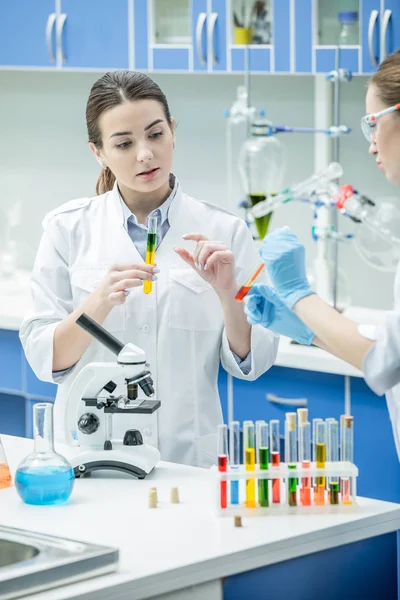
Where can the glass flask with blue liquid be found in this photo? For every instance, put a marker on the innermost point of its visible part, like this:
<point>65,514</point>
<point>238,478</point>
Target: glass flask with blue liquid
<point>44,477</point>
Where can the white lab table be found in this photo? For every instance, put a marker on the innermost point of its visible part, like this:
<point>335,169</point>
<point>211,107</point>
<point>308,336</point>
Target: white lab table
<point>181,551</point>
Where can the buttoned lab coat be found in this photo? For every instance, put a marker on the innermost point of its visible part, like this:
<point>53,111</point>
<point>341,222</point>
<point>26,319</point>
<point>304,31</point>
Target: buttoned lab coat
<point>179,325</point>
<point>382,362</point>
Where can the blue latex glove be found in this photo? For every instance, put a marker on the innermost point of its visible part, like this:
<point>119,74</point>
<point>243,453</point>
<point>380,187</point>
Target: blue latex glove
<point>264,307</point>
<point>284,257</point>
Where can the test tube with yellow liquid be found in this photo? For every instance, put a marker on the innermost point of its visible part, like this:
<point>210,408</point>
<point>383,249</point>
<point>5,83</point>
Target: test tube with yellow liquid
<point>250,462</point>
<point>150,250</point>
<point>320,448</point>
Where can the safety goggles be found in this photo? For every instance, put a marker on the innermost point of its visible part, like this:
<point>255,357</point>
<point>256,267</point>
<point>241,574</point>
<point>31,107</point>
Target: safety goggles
<point>368,123</point>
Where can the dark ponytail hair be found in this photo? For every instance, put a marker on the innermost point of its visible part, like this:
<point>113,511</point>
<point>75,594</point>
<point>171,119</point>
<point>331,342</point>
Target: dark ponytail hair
<point>114,88</point>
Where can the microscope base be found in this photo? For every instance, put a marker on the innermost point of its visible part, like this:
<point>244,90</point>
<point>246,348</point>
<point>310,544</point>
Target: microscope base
<point>138,461</point>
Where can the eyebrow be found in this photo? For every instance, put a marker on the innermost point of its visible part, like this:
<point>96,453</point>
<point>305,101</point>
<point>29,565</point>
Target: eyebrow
<point>130,132</point>
<point>152,124</point>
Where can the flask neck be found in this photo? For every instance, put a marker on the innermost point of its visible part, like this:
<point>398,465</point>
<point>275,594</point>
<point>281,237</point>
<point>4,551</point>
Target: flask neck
<point>43,427</point>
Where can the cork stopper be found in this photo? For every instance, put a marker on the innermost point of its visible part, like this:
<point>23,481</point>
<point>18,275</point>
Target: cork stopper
<point>302,414</point>
<point>291,421</point>
<point>174,495</point>
<point>237,520</point>
<point>154,489</point>
<point>152,503</point>
<point>348,421</point>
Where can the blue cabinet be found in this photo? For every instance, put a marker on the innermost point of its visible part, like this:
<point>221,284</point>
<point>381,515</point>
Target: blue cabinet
<point>19,387</point>
<point>94,34</point>
<point>192,36</point>
<point>27,33</point>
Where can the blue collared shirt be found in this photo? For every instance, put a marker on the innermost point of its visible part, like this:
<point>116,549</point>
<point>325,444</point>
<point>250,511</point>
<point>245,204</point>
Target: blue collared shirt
<point>137,231</point>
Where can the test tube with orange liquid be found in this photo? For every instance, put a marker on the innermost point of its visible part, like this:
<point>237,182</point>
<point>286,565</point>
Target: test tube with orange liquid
<point>245,288</point>
<point>305,454</point>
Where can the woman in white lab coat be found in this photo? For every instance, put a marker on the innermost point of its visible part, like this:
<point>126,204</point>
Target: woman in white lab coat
<point>293,309</point>
<point>91,259</point>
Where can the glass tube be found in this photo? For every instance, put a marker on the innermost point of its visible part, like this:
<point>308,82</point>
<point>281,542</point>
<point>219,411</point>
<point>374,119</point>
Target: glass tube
<point>275,455</point>
<point>320,450</point>
<point>222,449</point>
<point>291,455</point>
<point>263,461</point>
<point>150,250</point>
<point>305,460</point>
<point>347,448</point>
<point>333,457</point>
<point>234,457</point>
<point>250,462</point>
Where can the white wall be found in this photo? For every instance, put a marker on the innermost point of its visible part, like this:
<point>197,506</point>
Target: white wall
<point>44,158</point>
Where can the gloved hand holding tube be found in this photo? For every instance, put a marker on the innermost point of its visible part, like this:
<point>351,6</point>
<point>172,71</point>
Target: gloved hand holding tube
<point>284,257</point>
<point>264,307</point>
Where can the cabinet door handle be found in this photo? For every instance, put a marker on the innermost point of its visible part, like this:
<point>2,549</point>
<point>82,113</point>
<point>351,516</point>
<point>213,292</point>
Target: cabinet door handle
<point>211,26</point>
<point>49,30</point>
<point>59,29</point>
<point>199,33</point>
<point>385,22</point>
<point>297,402</point>
<point>373,18</point>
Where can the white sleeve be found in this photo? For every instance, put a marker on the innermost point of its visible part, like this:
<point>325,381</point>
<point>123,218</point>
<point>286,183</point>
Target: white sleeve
<point>264,343</point>
<point>50,303</point>
<point>381,364</point>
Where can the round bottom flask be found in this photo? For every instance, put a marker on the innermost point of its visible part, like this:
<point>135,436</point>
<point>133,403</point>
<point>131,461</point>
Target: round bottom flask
<point>44,477</point>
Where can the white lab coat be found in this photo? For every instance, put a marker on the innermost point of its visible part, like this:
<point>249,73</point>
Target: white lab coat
<point>180,325</point>
<point>382,362</point>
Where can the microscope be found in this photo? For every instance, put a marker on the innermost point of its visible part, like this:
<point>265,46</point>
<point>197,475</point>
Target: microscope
<point>91,406</point>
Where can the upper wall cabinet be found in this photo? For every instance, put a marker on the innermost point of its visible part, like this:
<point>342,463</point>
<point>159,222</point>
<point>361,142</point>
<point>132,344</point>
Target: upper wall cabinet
<point>27,33</point>
<point>65,33</point>
<point>180,35</point>
<point>205,36</point>
<point>352,34</point>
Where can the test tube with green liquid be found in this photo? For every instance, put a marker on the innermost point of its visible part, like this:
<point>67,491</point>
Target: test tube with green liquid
<point>291,455</point>
<point>150,250</point>
<point>263,460</point>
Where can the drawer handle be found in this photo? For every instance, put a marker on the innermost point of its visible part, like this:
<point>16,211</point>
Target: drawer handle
<point>199,31</point>
<point>371,26</point>
<point>297,402</point>
<point>49,30</point>
<point>385,22</point>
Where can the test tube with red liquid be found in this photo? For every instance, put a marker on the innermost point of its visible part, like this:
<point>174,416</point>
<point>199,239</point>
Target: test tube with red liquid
<point>245,288</point>
<point>222,449</point>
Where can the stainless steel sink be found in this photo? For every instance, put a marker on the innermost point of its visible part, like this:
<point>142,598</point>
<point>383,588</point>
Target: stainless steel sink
<point>31,562</point>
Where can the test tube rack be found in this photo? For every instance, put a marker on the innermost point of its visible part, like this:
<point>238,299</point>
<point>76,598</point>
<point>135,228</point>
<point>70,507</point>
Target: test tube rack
<point>338,470</point>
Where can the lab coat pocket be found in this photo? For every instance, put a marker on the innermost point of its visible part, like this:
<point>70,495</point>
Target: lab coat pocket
<point>84,281</point>
<point>193,303</point>
<point>207,447</point>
